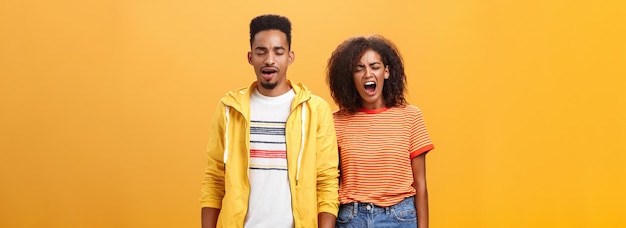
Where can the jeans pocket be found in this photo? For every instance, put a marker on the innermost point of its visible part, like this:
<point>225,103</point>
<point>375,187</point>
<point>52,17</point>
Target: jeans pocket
<point>405,214</point>
<point>345,214</point>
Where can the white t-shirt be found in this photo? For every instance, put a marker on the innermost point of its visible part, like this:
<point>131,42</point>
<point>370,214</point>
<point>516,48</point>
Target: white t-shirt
<point>270,196</point>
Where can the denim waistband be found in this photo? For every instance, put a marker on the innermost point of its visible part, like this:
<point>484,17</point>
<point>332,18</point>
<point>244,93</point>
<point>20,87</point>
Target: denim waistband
<point>373,208</point>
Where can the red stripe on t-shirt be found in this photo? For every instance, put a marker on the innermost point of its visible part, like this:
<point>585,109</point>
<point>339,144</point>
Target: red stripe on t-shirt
<point>268,154</point>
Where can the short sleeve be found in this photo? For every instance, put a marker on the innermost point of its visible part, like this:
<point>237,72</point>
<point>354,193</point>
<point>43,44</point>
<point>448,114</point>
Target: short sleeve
<point>419,139</point>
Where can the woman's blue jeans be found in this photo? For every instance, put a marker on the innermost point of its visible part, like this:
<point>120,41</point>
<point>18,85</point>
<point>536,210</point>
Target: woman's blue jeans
<point>368,215</point>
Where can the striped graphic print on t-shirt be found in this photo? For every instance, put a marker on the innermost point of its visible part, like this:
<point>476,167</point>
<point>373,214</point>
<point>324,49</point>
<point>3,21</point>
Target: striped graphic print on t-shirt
<point>376,148</point>
<point>267,145</point>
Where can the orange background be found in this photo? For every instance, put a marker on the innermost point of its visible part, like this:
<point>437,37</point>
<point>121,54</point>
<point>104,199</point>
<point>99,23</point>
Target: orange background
<point>105,105</point>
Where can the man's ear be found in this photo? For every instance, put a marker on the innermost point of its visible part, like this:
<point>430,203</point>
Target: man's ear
<point>250,57</point>
<point>292,57</point>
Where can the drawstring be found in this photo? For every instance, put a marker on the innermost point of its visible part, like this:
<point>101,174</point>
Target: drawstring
<point>301,141</point>
<point>226,134</point>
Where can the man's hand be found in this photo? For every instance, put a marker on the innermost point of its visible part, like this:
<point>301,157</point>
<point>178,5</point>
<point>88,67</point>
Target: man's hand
<point>209,217</point>
<point>326,220</point>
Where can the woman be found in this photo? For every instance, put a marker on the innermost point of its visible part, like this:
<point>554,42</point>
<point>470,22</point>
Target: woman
<point>382,139</point>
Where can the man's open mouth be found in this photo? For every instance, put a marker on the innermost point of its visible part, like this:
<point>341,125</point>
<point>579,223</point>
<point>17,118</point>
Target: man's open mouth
<point>268,71</point>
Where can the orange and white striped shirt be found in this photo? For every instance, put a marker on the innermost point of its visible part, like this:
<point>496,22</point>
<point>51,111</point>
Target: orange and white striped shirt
<point>376,148</point>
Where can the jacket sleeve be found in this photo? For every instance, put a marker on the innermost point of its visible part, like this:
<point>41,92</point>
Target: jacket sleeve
<point>212,190</point>
<point>327,161</point>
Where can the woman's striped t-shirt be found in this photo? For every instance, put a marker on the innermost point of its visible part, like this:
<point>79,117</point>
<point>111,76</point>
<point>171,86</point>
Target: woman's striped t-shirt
<point>376,148</point>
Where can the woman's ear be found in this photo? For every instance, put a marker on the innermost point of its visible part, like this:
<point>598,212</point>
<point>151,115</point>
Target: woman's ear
<point>387,72</point>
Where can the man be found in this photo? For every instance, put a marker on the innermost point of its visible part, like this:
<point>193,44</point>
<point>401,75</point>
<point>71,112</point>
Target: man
<point>272,153</point>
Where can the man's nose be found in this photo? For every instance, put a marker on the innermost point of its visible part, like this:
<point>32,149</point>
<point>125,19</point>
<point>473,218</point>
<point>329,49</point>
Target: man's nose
<point>270,59</point>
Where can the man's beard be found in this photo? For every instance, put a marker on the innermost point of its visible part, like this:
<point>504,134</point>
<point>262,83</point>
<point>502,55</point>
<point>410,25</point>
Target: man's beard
<point>269,85</point>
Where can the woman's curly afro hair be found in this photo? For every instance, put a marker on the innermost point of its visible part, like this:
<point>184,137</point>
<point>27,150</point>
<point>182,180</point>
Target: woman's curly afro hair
<point>343,61</point>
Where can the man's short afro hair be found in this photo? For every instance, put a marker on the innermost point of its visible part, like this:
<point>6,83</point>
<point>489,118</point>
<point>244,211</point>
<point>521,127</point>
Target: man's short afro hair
<point>270,22</point>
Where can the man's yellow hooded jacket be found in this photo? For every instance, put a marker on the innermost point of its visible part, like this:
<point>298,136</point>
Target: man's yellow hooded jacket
<point>312,158</point>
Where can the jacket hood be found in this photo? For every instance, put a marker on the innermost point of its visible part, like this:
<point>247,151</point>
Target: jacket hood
<point>240,99</point>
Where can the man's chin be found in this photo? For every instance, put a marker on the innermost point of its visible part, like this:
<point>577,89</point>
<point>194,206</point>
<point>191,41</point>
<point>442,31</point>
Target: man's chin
<point>269,85</point>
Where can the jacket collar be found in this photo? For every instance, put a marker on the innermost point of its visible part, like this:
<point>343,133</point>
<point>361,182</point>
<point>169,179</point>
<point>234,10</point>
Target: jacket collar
<point>240,99</point>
